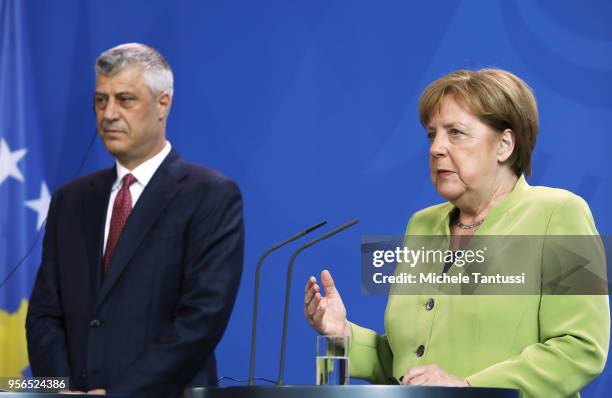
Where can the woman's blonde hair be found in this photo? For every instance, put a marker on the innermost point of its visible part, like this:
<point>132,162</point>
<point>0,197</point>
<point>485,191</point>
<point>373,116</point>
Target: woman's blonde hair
<point>498,98</point>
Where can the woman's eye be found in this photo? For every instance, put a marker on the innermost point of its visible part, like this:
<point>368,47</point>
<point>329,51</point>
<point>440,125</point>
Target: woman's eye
<point>431,135</point>
<point>455,132</point>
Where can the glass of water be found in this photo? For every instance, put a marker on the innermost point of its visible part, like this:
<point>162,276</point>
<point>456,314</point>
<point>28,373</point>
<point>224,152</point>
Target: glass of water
<point>332,360</point>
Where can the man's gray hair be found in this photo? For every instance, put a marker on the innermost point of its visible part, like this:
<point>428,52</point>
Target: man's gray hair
<point>156,70</point>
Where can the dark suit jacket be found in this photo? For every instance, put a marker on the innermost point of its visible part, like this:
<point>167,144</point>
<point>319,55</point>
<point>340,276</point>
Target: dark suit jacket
<point>150,326</point>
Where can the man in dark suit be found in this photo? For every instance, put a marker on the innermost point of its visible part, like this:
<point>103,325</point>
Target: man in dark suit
<point>141,262</point>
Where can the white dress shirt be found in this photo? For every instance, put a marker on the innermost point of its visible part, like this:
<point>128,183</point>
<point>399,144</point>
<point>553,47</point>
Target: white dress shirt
<point>143,174</point>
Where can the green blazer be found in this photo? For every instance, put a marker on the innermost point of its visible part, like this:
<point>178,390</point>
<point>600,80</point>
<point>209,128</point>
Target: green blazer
<point>544,345</point>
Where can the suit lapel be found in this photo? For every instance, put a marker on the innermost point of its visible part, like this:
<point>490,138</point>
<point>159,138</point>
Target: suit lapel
<point>94,208</point>
<point>159,192</point>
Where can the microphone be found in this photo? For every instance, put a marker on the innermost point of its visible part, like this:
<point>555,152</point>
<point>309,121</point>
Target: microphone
<point>305,246</point>
<point>256,298</point>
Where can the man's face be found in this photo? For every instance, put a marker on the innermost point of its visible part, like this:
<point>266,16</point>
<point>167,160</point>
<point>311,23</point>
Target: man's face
<point>131,122</point>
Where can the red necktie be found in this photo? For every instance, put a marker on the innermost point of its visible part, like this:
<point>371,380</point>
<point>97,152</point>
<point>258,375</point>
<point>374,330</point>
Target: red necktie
<point>121,210</point>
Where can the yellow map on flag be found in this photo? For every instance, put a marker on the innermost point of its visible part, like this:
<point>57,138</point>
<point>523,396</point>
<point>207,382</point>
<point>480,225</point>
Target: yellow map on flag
<point>14,355</point>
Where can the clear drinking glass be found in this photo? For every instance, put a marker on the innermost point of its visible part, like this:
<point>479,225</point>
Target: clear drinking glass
<point>332,360</point>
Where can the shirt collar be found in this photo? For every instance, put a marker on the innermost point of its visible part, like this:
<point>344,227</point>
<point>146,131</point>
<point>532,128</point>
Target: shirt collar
<point>144,171</point>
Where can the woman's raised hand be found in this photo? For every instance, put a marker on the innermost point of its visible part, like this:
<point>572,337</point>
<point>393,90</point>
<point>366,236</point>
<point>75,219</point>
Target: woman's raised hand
<point>326,314</point>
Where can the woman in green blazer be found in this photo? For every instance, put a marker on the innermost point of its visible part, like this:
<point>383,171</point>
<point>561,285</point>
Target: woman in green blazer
<point>482,126</point>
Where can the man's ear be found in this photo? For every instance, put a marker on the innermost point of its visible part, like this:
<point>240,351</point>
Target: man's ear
<point>505,145</point>
<point>164,100</point>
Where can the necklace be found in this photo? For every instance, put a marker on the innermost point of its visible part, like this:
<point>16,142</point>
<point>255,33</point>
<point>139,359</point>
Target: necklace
<point>469,226</point>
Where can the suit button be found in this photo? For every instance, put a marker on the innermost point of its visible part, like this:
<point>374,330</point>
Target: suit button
<point>83,375</point>
<point>429,304</point>
<point>420,350</point>
<point>95,323</point>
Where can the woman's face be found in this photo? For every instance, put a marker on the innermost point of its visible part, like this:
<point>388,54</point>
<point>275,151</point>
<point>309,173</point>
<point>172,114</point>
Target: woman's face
<point>464,154</point>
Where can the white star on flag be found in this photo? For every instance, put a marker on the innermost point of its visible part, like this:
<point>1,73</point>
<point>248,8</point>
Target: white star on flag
<point>41,205</point>
<point>8,162</point>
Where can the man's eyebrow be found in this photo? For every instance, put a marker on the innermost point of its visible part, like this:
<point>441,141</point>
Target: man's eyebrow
<point>119,94</point>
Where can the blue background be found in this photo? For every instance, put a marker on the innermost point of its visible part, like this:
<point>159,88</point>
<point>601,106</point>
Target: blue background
<point>311,106</point>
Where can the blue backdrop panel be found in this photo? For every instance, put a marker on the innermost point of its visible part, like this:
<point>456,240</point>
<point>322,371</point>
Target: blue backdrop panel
<point>311,106</point>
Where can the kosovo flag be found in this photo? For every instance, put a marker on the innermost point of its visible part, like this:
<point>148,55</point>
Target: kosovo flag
<point>24,194</point>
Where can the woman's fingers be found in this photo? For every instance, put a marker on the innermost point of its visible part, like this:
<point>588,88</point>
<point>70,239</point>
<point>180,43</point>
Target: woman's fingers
<point>319,310</point>
<point>308,289</point>
<point>414,372</point>
<point>311,281</point>
<point>314,304</point>
<point>419,380</point>
<point>314,289</point>
<point>328,282</point>
<point>432,375</point>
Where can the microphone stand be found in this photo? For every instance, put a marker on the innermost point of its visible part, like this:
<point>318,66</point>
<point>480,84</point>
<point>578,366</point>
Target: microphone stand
<point>256,294</point>
<point>305,246</point>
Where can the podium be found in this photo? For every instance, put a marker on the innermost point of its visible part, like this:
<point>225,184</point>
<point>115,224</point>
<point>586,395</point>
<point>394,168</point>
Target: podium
<point>52,395</point>
<point>357,391</point>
